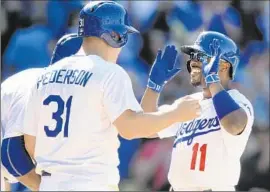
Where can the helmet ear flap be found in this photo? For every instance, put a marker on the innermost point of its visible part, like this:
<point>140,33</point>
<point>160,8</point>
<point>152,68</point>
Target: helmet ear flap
<point>188,66</point>
<point>114,39</point>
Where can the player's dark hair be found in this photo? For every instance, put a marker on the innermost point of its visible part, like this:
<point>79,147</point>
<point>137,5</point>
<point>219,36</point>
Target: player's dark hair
<point>231,71</point>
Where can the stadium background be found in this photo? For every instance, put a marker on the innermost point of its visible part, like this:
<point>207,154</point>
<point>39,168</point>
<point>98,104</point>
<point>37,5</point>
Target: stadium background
<point>30,29</point>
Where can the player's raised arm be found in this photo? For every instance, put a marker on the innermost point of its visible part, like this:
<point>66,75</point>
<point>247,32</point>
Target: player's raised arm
<point>231,115</point>
<point>126,114</point>
<point>162,71</point>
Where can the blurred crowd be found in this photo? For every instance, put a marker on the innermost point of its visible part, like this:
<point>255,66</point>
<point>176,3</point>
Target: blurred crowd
<point>30,30</point>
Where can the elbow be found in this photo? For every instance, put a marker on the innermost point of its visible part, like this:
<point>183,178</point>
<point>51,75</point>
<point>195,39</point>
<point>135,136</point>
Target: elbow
<point>127,133</point>
<point>236,122</point>
<point>127,136</point>
<point>235,130</point>
<point>29,144</point>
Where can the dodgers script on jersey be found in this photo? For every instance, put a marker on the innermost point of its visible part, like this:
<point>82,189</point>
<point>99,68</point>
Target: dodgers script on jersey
<point>205,155</point>
<point>14,93</point>
<point>71,111</point>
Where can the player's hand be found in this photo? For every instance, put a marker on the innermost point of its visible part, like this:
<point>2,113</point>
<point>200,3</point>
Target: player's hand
<point>187,109</point>
<point>210,70</point>
<point>163,69</point>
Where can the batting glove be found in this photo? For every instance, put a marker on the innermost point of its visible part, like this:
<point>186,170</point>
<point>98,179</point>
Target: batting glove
<point>163,69</point>
<point>210,70</point>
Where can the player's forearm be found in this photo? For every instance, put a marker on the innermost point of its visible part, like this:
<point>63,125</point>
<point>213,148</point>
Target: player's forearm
<point>133,125</point>
<point>30,142</point>
<point>7,186</point>
<point>149,101</point>
<point>235,118</point>
<point>31,180</point>
<point>148,124</point>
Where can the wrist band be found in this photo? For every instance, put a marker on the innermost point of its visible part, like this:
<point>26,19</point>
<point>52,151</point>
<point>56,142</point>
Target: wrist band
<point>212,78</point>
<point>224,104</point>
<point>155,87</point>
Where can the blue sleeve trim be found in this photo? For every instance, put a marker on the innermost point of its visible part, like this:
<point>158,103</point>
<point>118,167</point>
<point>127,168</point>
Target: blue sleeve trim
<point>15,158</point>
<point>224,104</point>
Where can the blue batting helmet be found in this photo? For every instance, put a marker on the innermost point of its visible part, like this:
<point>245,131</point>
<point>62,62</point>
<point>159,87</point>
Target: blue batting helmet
<point>66,46</point>
<point>229,49</point>
<point>107,20</point>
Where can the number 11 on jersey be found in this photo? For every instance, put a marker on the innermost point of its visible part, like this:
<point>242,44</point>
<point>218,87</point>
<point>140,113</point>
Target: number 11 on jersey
<point>195,149</point>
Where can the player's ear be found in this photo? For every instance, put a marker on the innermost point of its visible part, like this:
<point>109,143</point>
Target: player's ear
<point>224,66</point>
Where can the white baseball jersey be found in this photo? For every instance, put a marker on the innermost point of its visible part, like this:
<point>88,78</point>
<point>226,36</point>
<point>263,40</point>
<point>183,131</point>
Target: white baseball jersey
<point>71,112</point>
<point>14,94</point>
<point>205,155</point>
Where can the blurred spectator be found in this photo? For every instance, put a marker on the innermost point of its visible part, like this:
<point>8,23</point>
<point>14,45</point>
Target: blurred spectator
<point>32,47</point>
<point>27,48</point>
<point>205,15</point>
<point>151,165</point>
<point>3,15</point>
<point>126,151</point>
<point>142,15</point>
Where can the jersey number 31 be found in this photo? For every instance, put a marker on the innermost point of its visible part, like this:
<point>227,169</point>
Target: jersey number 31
<point>57,116</point>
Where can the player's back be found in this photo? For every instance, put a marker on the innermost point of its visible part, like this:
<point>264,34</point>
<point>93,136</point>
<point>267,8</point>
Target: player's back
<point>14,91</point>
<point>75,134</point>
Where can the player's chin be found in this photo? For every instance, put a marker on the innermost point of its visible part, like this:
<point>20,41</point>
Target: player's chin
<point>195,81</point>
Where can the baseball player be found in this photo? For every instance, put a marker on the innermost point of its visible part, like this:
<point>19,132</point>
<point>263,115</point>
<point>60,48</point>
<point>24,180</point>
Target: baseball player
<point>66,46</point>
<point>80,104</point>
<point>207,150</point>
<point>16,163</point>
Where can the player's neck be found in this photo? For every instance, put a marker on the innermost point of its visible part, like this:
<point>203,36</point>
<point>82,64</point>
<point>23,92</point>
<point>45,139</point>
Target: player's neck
<point>207,94</point>
<point>99,49</point>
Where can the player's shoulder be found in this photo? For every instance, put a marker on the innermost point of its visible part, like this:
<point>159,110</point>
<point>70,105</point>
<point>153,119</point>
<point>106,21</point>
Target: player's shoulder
<point>100,68</point>
<point>108,68</point>
<point>165,108</point>
<point>238,96</point>
<point>22,78</point>
<point>18,85</point>
<point>197,95</point>
<point>242,100</point>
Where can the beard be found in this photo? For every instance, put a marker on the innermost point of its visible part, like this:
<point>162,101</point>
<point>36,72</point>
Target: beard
<point>196,79</point>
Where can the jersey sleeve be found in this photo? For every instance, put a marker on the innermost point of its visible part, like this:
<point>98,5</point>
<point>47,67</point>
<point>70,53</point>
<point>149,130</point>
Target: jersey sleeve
<point>30,114</point>
<point>13,111</point>
<point>169,131</point>
<point>16,117</point>
<point>118,95</point>
<point>240,141</point>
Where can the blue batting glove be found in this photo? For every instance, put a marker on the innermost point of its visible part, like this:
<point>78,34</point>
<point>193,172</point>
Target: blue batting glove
<point>210,70</point>
<point>163,69</point>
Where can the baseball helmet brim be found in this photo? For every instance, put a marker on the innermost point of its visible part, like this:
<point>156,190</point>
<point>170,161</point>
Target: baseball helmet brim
<point>187,49</point>
<point>121,29</point>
